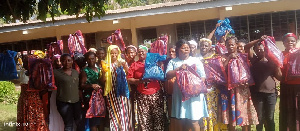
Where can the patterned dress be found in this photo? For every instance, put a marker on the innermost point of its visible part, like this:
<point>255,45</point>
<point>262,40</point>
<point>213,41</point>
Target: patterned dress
<point>30,111</point>
<point>237,106</point>
<point>119,108</point>
<point>212,123</point>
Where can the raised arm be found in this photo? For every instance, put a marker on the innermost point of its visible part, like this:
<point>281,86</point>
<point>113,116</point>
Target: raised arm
<point>251,44</point>
<point>211,34</point>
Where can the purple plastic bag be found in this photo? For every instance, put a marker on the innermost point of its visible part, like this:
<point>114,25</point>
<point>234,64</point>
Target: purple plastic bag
<point>215,73</point>
<point>272,52</point>
<point>293,65</point>
<point>239,72</point>
<point>96,105</point>
<point>190,83</point>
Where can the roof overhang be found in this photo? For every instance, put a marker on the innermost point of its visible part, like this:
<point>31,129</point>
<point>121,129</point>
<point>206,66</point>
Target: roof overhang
<point>134,13</point>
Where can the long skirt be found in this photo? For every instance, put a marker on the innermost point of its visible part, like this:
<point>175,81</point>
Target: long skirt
<point>289,116</point>
<point>211,123</point>
<point>151,111</point>
<point>119,110</point>
<point>30,113</point>
<point>237,106</point>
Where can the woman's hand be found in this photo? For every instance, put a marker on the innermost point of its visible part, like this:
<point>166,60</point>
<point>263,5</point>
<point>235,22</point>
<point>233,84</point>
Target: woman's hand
<point>96,86</point>
<point>232,56</point>
<point>263,37</point>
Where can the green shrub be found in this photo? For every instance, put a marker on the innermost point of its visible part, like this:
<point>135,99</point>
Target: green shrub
<point>8,93</point>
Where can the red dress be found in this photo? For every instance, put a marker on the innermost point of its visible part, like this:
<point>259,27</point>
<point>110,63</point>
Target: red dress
<point>30,111</point>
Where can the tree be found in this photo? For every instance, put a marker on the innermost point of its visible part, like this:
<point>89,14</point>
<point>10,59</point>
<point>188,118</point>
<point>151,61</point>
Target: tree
<point>12,10</point>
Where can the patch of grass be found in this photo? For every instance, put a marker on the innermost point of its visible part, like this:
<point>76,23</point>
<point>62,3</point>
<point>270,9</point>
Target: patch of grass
<point>8,113</point>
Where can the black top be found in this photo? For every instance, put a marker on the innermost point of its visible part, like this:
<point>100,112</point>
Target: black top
<point>263,75</point>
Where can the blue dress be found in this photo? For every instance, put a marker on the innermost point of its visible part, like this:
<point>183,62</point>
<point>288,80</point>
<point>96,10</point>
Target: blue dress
<point>195,108</point>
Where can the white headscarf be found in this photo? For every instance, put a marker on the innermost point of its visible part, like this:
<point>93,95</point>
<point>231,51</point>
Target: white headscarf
<point>192,42</point>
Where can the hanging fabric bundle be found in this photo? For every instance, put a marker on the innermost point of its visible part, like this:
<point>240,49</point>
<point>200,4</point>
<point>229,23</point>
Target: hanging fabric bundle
<point>160,45</point>
<point>96,105</point>
<point>41,74</point>
<point>272,52</point>
<point>190,83</point>
<point>122,85</point>
<point>293,65</point>
<point>221,49</point>
<point>152,70</point>
<point>239,72</point>
<point>55,48</point>
<point>117,39</point>
<point>8,70</point>
<point>76,43</point>
<point>215,72</point>
<point>221,30</point>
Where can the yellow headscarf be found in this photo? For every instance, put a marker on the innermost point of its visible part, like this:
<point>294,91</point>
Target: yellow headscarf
<point>39,54</point>
<point>106,65</point>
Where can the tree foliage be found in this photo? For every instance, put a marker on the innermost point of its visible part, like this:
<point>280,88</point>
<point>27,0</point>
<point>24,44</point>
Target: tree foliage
<point>12,10</point>
<point>23,10</point>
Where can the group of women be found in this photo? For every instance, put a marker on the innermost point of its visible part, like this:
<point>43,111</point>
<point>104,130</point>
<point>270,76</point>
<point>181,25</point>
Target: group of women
<point>91,98</point>
<point>220,108</point>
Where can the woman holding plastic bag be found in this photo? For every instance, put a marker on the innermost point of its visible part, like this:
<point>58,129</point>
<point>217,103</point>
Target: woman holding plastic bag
<point>212,63</point>
<point>237,106</point>
<point>92,89</point>
<point>264,71</point>
<point>149,95</point>
<point>119,108</point>
<point>290,86</point>
<point>186,114</point>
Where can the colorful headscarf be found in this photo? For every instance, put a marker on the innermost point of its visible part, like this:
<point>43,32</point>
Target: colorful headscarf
<point>131,46</point>
<point>205,40</point>
<point>107,68</point>
<point>289,35</point>
<point>143,47</point>
<point>39,54</point>
<point>192,42</point>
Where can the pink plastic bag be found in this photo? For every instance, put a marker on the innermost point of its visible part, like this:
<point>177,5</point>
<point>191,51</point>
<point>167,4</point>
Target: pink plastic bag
<point>221,49</point>
<point>293,65</point>
<point>117,39</point>
<point>96,105</point>
<point>239,72</point>
<point>272,52</point>
<point>160,45</point>
<point>76,43</point>
<point>215,73</point>
<point>190,83</point>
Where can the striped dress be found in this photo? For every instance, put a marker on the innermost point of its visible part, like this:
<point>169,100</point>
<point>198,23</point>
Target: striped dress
<point>119,108</point>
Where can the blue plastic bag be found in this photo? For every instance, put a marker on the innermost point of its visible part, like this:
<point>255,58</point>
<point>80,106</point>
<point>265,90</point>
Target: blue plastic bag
<point>122,85</point>
<point>87,125</point>
<point>221,30</point>
<point>8,70</point>
<point>152,70</point>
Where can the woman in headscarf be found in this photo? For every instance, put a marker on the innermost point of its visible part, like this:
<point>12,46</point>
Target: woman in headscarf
<point>289,90</point>
<point>212,97</point>
<point>119,107</point>
<point>149,95</point>
<point>193,46</point>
